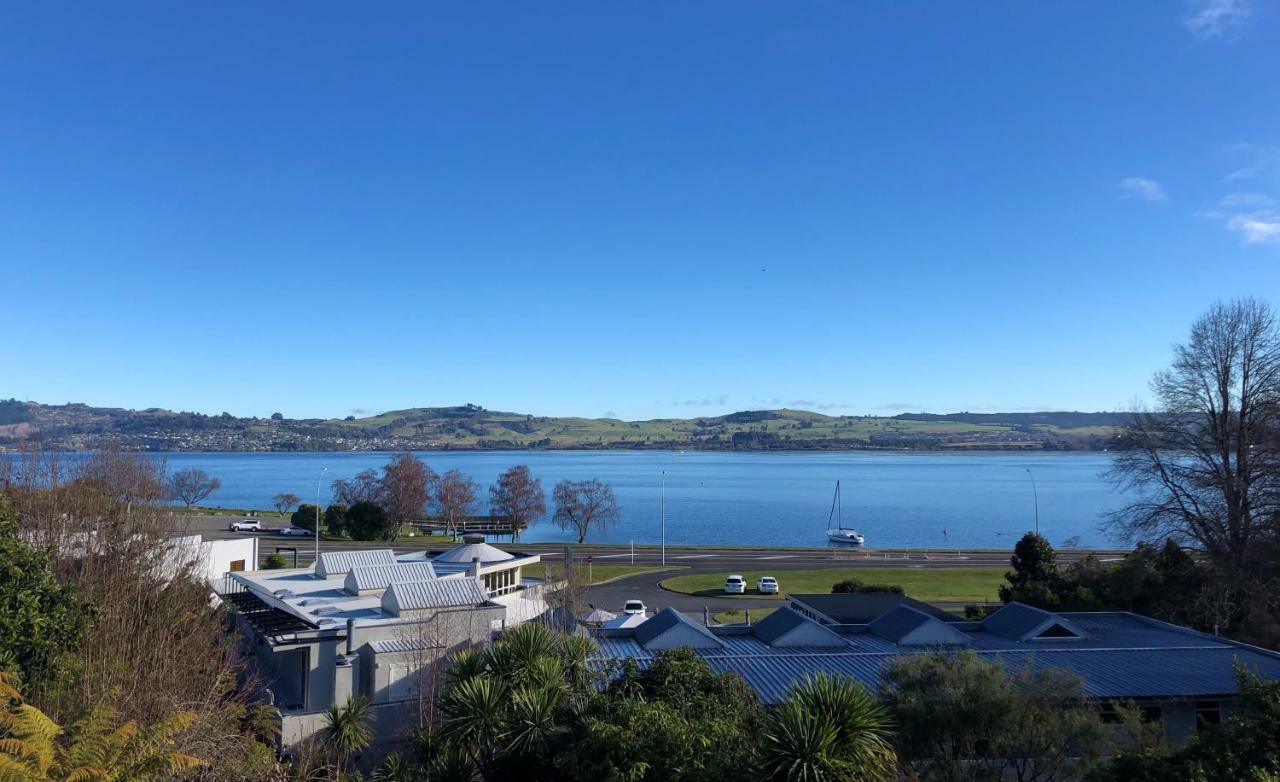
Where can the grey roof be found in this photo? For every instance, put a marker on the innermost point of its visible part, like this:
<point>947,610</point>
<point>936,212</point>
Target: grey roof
<point>1023,622</point>
<point>464,554</point>
<point>1118,656</point>
<point>670,629</point>
<point>861,608</point>
<point>788,627</point>
<point>394,645</point>
<point>440,593</point>
<point>333,563</point>
<point>907,626</point>
<point>371,578</point>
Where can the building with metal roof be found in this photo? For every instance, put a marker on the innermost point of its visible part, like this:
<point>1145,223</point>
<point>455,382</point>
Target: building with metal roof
<point>1179,674</point>
<point>376,578</point>
<point>844,609</point>
<point>903,625</point>
<point>415,597</point>
<point>369,622</point>
<point>333,563</point>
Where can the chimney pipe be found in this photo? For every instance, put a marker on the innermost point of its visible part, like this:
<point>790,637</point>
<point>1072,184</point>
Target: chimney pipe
<point>351,631</point>
<point>747,612</point>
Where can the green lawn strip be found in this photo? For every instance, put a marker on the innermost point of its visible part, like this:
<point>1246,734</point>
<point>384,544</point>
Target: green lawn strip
<point>600,574</point>
<point>735,617</point>
<point>932,585</point>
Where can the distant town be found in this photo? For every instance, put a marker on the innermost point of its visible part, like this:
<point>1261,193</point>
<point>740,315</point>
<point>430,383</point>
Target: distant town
<point>77,426</point>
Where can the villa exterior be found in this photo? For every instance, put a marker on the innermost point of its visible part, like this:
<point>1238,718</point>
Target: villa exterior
<point>369,622</point>
<point>1180,676</point>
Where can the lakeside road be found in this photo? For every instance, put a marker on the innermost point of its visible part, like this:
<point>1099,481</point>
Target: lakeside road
<point>678,561</point>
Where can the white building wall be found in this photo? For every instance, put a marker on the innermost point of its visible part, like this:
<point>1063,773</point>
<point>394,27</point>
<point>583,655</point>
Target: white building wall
<point>218,556</point>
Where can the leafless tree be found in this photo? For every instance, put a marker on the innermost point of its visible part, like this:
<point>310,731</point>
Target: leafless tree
<point>455,498</point>
<point>405,490</point>
<point>364,487</point>
<point>584,505</point>
<point>1205,464</point>
<point>192,485</point>
<point>518,495</point>
<point>284,501</point>
<point>155,644</point>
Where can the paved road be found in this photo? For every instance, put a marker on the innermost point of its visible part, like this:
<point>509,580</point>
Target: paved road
<point>645,586</point>
<point>696,559</point>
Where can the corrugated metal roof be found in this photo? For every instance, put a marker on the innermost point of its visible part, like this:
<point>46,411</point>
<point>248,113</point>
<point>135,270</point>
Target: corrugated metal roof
<point>788,627</point>
<point>904,625</point>
<point>1121,656</point>
<point>669,628</point>
<point>439,593</point>
<point>1022,622</point>
<point>394,645</point>
<point>861,608</point>
<point>375,577</point>
<point>333,563</point>
<point>462,555</point>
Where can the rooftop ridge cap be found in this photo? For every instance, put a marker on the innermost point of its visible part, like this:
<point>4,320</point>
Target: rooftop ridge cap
<point>928,649</point>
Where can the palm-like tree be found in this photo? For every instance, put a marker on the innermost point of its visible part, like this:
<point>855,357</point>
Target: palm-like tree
<point>502,704</point>
<point>34,748</point>
<point>829,728</point>
<point>347,729</point>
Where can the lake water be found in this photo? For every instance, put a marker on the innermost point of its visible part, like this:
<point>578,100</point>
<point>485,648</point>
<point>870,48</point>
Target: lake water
<point>779,499</point>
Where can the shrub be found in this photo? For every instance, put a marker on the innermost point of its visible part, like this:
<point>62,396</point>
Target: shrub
<point>304,516</point>
<point>367,521</point>
<point>854,586</point>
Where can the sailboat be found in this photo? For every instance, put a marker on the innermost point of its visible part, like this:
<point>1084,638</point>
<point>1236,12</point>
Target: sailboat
<point>839,533</point>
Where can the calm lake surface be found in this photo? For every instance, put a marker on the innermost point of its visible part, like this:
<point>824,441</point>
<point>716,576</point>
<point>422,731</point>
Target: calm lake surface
<point>780,499</point>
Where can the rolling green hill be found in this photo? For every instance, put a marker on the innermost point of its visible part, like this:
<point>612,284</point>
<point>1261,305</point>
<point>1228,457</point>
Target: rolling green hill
<point>473,427</point>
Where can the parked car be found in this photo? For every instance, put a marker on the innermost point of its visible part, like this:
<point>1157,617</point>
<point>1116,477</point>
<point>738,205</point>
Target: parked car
<point>247,525</point>
<point>291,531</point>
<point>767,585</point>
<point>735,585</point>
<point>634,607</point>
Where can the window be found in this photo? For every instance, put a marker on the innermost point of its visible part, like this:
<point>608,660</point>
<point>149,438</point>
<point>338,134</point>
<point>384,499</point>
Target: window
<point>237,565</point>
<point>1151,713</point>
<point>1108,714</point>
<point>1208,713</point>
<point>1056,631</point>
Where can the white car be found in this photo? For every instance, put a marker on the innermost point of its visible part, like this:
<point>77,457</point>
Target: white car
<point>292,531</point>
<point>247,525</point>
<point>634,607</point>
<point>767,585</point>
<point>735,585</point>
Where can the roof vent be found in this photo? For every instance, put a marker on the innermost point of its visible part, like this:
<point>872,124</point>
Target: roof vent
<point>906,626</point>
<point>284,594</point>
<point>1020,622</point>
<point>473,537</point>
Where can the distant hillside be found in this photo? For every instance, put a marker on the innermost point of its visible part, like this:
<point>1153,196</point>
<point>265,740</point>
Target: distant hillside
<point>470,427</point>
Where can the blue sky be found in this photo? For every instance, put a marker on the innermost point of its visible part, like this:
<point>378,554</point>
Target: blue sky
<point>632,209</point>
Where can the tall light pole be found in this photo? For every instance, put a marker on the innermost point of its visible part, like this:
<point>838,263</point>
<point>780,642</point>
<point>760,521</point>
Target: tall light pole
<point>662,514</point>
<point>319,480</point>
<point>1036,496</point>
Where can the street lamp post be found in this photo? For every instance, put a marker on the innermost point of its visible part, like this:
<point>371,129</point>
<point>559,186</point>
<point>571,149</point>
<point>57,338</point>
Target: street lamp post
<point>1036,496</point>
<point>662,514</point>
<point>319,480</point>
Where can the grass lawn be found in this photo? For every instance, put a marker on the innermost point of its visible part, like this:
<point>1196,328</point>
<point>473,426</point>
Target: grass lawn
<point>599,573</point>
<point>735,617</point>
<point>932,585</point>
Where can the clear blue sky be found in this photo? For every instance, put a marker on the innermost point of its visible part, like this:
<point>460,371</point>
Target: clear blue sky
<point>637,209</point>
